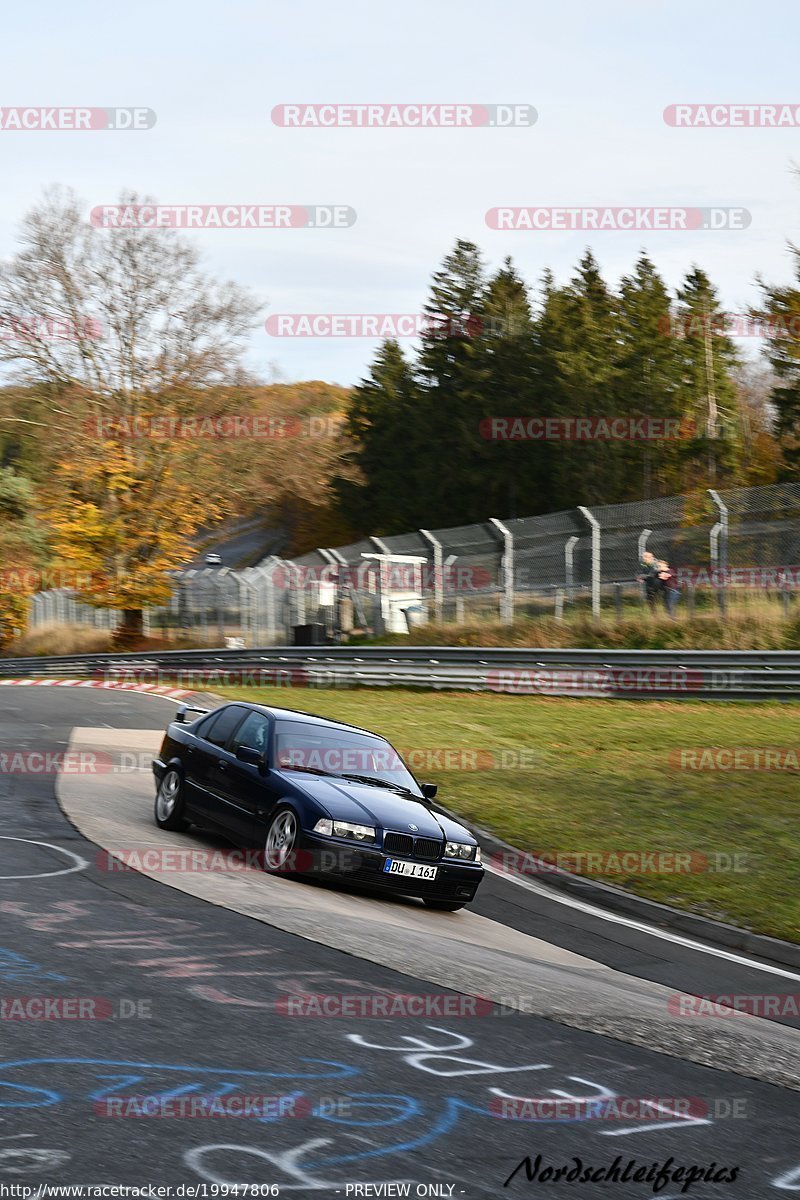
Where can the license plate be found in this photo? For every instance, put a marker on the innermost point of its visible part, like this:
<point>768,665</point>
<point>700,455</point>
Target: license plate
<point>396,866</point>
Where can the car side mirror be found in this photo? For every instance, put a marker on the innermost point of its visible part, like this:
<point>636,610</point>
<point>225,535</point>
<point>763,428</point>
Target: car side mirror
<point>429,790</point>
<point>249,754</point>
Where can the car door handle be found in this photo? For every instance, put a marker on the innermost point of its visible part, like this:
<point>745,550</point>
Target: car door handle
<point>223,766</point>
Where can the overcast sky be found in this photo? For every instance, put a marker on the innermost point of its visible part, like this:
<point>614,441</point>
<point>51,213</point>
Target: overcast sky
<point>599,76</point>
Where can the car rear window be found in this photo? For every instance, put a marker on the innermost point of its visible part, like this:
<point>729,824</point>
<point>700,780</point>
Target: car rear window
<point>219,730</point>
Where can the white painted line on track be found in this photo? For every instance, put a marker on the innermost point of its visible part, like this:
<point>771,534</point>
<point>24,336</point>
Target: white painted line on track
<point>642,927</point>
<point>80,863</point>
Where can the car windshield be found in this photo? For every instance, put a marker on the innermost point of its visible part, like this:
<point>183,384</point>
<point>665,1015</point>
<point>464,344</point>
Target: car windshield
<point>302,745</point>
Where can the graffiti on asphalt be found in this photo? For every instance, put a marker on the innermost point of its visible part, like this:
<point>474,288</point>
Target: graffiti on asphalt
<point>15,968</point>
<point>213,968</point>
<point>174,948</point>
<point>94,1079</point>
<point>21,1161</point>
<point>414,1121</point>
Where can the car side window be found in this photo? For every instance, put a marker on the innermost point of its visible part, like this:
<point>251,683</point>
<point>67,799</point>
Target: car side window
<point>202,730</point>
<point>219,733</point>
<point>253,732</point>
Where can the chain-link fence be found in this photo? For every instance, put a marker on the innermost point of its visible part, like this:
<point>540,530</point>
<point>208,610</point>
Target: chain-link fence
<point>747,539</point>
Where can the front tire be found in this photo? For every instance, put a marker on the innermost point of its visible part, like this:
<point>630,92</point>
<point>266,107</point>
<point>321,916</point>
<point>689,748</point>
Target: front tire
<point>169,802</point>
<point>281,842</point>
<point>444,905</point>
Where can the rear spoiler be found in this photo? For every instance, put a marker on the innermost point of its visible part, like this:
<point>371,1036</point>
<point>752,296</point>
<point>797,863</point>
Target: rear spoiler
<point>180,715</point>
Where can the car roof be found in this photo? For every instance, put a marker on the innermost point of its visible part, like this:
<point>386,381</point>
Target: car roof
<point>293,714</point>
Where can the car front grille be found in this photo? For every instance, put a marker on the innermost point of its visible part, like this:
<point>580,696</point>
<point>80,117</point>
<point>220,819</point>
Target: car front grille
<point>409,847</point>
<point>398,843</point>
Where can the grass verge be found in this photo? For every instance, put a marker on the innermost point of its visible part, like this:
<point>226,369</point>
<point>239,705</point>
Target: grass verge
<point>604,776</point>
<point>747,625</point>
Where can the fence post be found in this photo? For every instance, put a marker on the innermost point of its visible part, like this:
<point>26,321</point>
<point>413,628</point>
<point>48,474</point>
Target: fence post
<point>352,588</point>
<point>718,545</point>
<point>384,586</point>
<point>596,535</point>
<point>218,579</point>
<point>718,540</point>
<point>642,546</point>
<point>244,608</point>
<point>270,625</point>
<point>438,578</point>
<point>507,569</point>
<point>569,564</point>
<point>330,557</point>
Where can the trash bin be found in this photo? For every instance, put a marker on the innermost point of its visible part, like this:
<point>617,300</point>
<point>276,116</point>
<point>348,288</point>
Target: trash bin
<point>414,615</point>
<point>308,635</point>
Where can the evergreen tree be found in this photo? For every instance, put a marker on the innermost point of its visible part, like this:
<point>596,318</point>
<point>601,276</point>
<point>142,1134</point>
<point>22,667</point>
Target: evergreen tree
<point>649,377</point>
<point>382,423</point>
<point>583,317</point>
<point>781,311</point>
<point>516,481</point>
<point>707,392</point>
<point>420,430</point>
<point>453,374</point>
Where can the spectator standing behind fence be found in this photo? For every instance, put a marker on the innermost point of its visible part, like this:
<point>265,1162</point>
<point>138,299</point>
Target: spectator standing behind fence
<point>648,575</point>
<point>669,584</point>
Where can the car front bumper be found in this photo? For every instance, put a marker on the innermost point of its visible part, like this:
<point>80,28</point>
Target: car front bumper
<point>365,865</point>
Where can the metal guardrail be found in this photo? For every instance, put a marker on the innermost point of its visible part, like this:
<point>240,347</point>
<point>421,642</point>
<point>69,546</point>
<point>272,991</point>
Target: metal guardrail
<point>696,674</point>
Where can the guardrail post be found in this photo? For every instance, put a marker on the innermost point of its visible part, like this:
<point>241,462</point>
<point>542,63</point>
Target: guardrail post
<point>596,536</point>
<point>506,569</point>
<point>438,575</point>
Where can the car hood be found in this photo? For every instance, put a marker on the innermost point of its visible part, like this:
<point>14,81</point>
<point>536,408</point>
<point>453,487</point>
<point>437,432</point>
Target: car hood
<point>346,801</point>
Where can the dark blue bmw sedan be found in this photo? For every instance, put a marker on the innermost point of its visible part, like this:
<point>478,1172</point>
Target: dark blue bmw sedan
<point>316,797</point>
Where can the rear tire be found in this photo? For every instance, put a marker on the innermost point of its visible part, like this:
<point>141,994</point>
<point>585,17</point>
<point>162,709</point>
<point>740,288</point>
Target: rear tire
<point>169,802</point>
<point>444,905</point>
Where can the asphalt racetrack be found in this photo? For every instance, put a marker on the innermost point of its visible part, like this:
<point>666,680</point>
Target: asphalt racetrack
<point>173,1028</point>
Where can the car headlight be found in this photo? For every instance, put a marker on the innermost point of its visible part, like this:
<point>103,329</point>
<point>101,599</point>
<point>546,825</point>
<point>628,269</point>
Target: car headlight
<point>462,850</point>
<point>345,829</point>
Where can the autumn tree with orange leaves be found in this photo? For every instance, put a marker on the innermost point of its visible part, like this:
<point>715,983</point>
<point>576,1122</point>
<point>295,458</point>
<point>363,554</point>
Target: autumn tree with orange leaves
<point>112,331</point>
